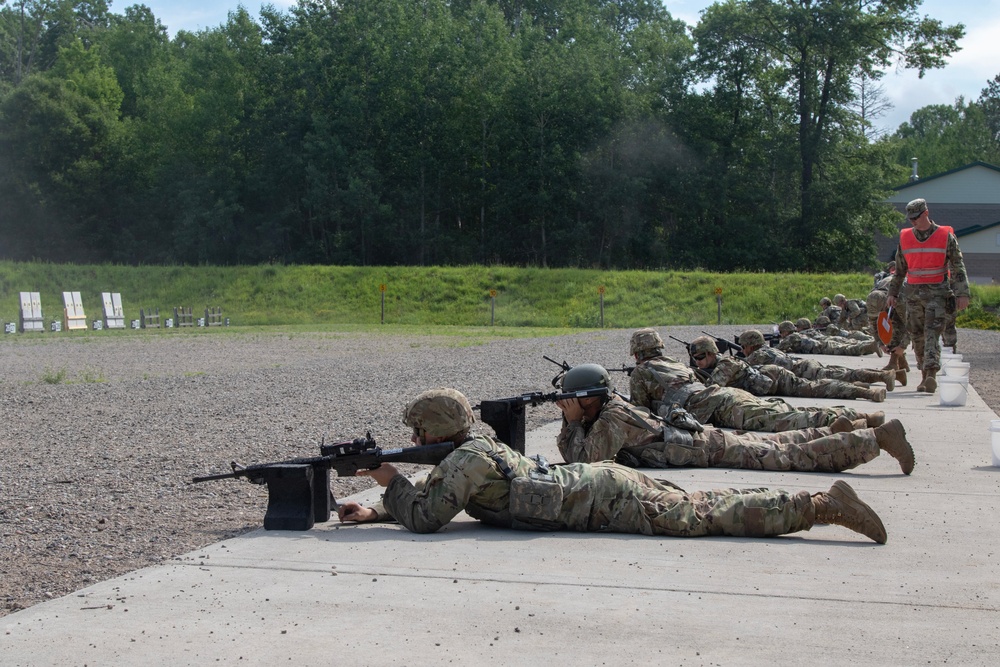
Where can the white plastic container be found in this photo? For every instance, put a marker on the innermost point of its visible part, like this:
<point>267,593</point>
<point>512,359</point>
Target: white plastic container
<point>956,369</point>
<point>953,390</point>
<point>995,432</point>
<point>948,357</point>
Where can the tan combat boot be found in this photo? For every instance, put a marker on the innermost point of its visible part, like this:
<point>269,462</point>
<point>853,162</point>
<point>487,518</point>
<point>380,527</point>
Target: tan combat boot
<point>889,377</point>
<point>859,424</point>
<point>893,362</point>
<point>930,381</point>
<point>843,424</point>
<point>923,381</point>
<point>874,419</point>
<point>901,377</point>
<point>891,437</point>
<point>842,507</point>
<point>874,394</point>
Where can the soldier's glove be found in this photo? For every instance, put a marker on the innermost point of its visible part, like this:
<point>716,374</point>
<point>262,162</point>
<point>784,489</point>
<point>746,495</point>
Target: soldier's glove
<point>678,417</point>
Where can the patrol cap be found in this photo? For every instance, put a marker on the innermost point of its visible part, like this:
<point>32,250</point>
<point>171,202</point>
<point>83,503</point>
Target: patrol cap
<point>644,340</point>
<point>702,345</point>
<point>439,412</point>
<point>751,337</point>
<point>786,327</point>
<point>822,321</point>
<point>803,323</point>
<point>915,208</point>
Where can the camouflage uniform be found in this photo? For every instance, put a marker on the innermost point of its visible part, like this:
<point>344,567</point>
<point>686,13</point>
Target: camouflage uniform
<point>601,497</point>
<point>810,369</point>
<point>635,436</point>
<point>732,372</point>
<point>833,331</point>
<point>928,306</point>
<point>854,316</point>
<point>819,344</point>
<point>657,384</point>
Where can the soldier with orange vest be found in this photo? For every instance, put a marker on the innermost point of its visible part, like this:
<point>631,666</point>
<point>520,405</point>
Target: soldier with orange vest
<point>927,255</point>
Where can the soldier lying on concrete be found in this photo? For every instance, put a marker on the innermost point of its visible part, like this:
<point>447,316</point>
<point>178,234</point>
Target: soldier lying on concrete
<point>660,383</point>
<point>601,428</point>
<point>501,487</point>
<point>823,325</point>
<point>758,353</point>
<point>770,379</point>
<point>797,342</point>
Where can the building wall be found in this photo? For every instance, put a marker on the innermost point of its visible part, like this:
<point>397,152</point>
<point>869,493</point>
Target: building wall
<point>982,269</point>
<point>975,185</point>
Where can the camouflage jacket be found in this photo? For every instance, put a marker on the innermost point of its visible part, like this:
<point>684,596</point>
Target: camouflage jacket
<point>618,425</point>
<point>767,355</point>
<point>733,372</point>
<point>652,377</point>
<point>958,281</point>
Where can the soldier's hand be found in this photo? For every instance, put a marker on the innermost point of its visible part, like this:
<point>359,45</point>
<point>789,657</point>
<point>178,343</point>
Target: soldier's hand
<point>890,301</point>
<point>961,303</point>
<point>382,474</point>
<point>571,409</point>
<point>352,511</point>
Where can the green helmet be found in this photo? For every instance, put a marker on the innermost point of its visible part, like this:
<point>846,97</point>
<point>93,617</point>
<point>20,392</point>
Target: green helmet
<point>751,338</point>
<point>839,298</point>
<point>803,323</point>
<point>703,345</point>
<point>822,321</point>
<point>825,302</point>
<point>786,327</point>
<point>586,376</point>
<point>439,412</point>
<point>645,340</point>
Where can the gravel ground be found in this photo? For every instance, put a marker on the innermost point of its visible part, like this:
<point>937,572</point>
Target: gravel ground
<point>96,468</point>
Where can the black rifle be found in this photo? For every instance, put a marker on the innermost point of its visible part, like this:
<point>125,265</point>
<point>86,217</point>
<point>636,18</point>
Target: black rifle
<point>299,489</point>
<point>734,349</point>
<point>506,415</point>
<point>565,367</point>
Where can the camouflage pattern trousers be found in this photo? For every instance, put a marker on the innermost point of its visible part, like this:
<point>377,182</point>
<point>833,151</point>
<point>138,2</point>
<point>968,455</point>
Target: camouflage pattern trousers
<point>928,308</point>
<point>627,501</point>
<point>728,407</point>
<point>786,383</point>
<point>804,450</point>
<point>810,369</point>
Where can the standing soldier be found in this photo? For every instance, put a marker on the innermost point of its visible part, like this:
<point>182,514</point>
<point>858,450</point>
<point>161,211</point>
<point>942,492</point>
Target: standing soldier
<point>925,255</point>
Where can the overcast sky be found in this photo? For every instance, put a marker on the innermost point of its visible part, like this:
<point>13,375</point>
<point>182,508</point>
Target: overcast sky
<point>966,74</point>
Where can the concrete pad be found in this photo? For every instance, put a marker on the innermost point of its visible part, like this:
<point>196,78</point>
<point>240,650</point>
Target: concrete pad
<point>377,594</point>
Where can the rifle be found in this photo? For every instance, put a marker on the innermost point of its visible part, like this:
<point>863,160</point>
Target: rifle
<point>506,415</point>
<point>299,489</point>
<point>734,349</point>
<point>565,367</point>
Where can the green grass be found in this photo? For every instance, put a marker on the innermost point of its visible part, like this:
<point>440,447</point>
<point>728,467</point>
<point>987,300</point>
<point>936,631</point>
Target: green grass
<point>456,299</point>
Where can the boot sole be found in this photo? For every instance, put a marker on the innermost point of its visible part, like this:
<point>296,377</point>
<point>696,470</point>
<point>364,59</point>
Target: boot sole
<point>843,492</point>
<point>896,433</point>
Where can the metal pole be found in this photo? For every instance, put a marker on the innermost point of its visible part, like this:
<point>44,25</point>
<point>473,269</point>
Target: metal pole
<point>602,309</point>
<point>493,305</point>
<point>383,306</point>
<point>718,300</point>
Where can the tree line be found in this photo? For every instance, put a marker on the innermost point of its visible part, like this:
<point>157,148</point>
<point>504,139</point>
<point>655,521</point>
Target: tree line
<point>597,133</point>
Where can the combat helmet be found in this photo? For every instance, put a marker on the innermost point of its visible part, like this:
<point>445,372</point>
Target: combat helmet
<point>645,340</point>
<point>822,321</point>
<point>751,338</point>
<point>586,376</point>
<point>703,345</point>
<point>786,327</point>
<point>839,299</point>
<point>439,413</point>
<point>825,302</point>
<point>803,323</point>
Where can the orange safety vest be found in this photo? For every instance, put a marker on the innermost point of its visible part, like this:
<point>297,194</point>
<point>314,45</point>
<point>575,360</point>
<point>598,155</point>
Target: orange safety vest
<point>925,261</point>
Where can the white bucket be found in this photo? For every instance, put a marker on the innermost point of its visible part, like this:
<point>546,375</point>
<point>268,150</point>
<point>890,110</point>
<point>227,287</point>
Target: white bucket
<point>948,357</point>
<point>995,429</point>
<point>956,369</point>
<point>952,390</point>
